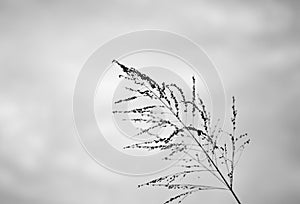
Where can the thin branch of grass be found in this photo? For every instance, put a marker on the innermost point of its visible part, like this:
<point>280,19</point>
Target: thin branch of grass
<point>198,139</point>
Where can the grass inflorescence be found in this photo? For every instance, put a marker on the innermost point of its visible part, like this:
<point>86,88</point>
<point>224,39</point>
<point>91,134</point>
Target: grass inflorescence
<point>189,132</point>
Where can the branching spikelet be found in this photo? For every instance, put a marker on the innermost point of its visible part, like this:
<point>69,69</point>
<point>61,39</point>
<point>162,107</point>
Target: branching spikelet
<point>219,156</point>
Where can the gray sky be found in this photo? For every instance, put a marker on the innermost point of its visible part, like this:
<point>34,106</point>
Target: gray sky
<point>44,44</point>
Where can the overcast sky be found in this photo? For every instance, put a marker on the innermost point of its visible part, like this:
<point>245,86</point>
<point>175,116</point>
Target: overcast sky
<point>44,44</point>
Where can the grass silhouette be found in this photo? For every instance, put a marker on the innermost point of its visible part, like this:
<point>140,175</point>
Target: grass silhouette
<point>206,147</point>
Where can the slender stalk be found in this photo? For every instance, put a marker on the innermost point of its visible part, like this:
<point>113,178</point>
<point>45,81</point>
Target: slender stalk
<point>233,141</point>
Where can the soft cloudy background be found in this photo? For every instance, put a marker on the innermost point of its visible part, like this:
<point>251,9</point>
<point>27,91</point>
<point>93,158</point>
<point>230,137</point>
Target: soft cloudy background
<point>44,44</point>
